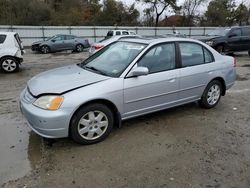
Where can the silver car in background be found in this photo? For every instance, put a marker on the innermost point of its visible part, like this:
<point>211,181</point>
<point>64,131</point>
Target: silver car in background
<point>125,79</point>
<point>95,47</point>
<point>60,43</point>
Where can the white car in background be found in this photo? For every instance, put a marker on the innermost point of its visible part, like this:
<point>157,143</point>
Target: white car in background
<point>102,43</point>
<point>119,32</point>
<point>11,52</point>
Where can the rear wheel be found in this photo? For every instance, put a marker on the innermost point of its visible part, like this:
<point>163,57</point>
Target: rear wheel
<point>91,124</point>
<point>79,47</point>
<point>211,95</point>
<point>9,64</point>
<point>45,49</point>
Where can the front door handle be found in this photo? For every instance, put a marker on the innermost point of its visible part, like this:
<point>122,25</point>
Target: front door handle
<point>171,80</point>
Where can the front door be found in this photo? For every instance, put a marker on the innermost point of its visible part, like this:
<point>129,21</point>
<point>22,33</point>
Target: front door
<point>158,89</point>
<point>57,43</point>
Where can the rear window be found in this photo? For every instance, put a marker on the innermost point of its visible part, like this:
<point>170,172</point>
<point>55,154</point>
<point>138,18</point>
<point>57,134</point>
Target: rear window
<point>246,31</point>
<point>2,38</point>
<point>18,40</point>
<point>110,33</point>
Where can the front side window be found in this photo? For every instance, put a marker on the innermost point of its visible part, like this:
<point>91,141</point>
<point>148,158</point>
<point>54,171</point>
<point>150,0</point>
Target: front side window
<point>118,32</point>
<point>191,54</point>
<point>159,58</point>
<point>58,38</point>
<point>2,38</point>
<point>113,59</point>
<point>235,33</point>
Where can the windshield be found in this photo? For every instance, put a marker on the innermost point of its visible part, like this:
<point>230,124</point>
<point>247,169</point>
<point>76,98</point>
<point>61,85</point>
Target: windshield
<point>113,59</point>
<point>47,39</point>
<point>219,32</point>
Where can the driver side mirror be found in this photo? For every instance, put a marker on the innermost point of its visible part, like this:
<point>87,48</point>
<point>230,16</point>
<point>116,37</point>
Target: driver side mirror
<point>138,71</point>
<point>53,40</point>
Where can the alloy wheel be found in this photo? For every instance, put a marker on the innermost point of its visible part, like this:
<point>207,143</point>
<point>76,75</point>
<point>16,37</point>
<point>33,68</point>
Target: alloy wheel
<point>9,65</point>
<point>213,94</point>
<point>93,125</point>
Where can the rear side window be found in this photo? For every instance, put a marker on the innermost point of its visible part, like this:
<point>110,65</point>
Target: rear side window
<point>246,31</point>
<point>69,37</point>
<point>118,32</point>
<point>2,38</point>
<point>125,33</point>
<point>194,54</point>
<point>208,56</point>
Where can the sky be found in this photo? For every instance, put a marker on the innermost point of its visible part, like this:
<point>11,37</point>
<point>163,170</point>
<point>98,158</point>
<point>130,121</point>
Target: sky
<point>201,9</point>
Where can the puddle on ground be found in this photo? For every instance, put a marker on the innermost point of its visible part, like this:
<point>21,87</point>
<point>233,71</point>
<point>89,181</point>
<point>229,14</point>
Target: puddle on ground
<point>20,149</point>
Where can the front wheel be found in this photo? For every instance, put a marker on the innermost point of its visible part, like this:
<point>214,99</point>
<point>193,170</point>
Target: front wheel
<point>91,124</point>
<point>79,48</point>
<point>45,49</point>
<point>211,95</point>
<point>9,64</point>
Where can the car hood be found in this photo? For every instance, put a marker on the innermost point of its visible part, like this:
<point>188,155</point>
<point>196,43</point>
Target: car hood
<point>38,42</point>
<point>61,80</point>
<point>205,38</point>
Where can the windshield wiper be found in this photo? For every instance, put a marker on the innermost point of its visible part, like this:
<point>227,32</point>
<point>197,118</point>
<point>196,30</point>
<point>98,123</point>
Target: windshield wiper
<point>94,69</point>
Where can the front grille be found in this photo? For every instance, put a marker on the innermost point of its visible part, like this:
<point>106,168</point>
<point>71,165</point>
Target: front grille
<point>27,97</point>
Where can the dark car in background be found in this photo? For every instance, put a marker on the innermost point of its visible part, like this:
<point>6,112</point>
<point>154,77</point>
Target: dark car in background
<point>228,40</point>
<point>61,43</point>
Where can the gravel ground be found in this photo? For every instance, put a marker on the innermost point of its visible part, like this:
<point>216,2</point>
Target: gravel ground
<point>181,147</point>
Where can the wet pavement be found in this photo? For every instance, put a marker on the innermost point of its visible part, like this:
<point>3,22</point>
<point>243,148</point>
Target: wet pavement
<point>181,147</point>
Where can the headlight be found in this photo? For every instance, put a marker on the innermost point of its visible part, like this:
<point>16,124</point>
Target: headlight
<point>51,102</point>
<point>210,42</point>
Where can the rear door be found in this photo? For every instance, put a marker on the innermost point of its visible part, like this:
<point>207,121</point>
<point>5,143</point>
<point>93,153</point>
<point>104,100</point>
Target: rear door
<point>234,39</point>
<point>196,70</point>
<point>69,42</point>
<point>158,89</point>
<point>246,38</point>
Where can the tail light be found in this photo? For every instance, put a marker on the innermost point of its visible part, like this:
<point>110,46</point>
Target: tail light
<point>98,46</point>
<point>234,62</point>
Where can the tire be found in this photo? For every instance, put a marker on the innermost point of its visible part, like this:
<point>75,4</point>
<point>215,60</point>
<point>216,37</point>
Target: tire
<point>211,95</point>
<point>85,128</point>
<point>220,49</point>
<point>45,49</point>
<point>9,64</point>
<point>249,53</point>
<point>79,48</point>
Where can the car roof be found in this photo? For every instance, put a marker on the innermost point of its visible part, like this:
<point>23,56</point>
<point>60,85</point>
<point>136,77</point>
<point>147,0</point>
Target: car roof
<point>7,33</point>
<point>158,40</point>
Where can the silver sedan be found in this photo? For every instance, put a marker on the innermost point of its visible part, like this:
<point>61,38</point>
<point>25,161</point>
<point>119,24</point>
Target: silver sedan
<point>123,80</point>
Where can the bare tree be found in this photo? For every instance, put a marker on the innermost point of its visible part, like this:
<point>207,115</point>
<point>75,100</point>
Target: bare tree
<point>189,9</point>
<point>159,6</point>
